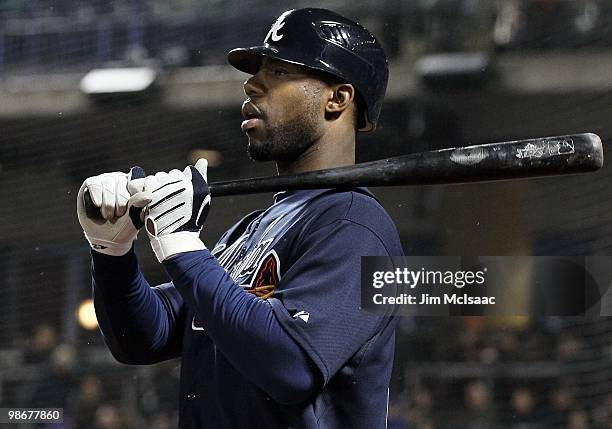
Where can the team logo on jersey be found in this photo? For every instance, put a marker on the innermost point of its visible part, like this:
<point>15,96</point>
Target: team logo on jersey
<point>218,248</point>
<point>267,276</point>
<point>230,254</point>
<point>278,25</point>
<point>244,268</point>
<point>258,270</point>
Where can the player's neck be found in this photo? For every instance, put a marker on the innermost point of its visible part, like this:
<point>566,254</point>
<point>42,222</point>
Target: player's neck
<point>330,151</point>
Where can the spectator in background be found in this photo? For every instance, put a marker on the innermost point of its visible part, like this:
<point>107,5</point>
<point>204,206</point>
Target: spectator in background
<point>534,24</point>
<point>420,414</point>
<point>479,412</point>
<point>534,344</point>
<point>509,346</point>
<point>578,419</point>
<point>108,417</point>
<point>561,402</point>
<point>526,343</point>
<point>523,414</point>
<point>56,381</point>
<point>87,401</point>
<point>41,344</point>
<point>568,347</point>
<point>163,420</point>
<point>470,339</point>
<point>397,417</point>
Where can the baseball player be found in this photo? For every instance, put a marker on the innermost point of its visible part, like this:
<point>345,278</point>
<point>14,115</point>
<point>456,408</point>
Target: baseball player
<point>268,323</point>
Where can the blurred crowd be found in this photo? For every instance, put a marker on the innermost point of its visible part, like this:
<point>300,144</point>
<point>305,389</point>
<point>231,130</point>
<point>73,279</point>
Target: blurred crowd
<point>191,33</point>
<point>451,373</point>
<point>94,394</point>
<point>529,407</point>
<point>475,372</point>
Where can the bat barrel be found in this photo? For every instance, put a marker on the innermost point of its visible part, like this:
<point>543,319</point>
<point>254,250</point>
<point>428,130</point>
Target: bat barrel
<point>560,155</point>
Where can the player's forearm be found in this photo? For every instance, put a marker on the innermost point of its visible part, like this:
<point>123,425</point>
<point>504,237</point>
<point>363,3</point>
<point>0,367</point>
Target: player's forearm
<point>244,328</point>
<point>134,319</point>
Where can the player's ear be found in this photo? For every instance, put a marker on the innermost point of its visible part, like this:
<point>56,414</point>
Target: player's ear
<point>340,98</point>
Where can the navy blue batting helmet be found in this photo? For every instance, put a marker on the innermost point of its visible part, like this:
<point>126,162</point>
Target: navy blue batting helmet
<point>323,40</point>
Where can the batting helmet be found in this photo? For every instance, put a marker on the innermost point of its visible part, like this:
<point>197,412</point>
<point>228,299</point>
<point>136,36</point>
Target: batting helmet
<point>323,40</point>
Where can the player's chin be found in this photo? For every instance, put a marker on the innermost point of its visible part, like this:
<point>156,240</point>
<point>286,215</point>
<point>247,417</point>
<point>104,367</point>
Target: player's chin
<point>257,136</point>
<point>259,150</point>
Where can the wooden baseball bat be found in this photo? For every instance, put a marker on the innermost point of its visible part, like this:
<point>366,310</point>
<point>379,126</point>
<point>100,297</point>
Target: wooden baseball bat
<point>546,156</point>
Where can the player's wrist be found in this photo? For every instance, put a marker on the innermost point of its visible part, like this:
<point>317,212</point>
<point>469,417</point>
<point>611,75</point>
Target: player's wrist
<point>167,246</point>
<point>114,270</point>
<point>109,248</point>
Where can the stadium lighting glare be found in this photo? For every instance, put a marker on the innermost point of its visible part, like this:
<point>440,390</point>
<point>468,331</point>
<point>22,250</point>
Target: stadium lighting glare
<point>126,80</point>
<point>452,63</point>
<point>86,315</point>
<point>459,69</point>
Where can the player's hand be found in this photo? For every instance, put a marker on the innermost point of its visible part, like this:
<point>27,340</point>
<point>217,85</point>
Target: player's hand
<point>121,211</point>
<point>177,212</point>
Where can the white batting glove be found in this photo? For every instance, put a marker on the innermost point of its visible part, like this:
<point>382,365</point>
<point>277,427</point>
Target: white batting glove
<point>121,212</point>
<point>176,213</point>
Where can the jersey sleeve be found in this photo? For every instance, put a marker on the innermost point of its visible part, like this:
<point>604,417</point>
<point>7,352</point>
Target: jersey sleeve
<point>140,324</point>
<point>244,328</point>
<point>318,297</point>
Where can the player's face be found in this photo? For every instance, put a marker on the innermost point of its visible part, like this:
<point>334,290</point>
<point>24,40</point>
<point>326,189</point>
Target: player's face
<point>284,112</point>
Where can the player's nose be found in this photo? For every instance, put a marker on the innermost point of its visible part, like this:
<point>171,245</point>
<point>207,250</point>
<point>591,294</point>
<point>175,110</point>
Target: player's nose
<point>253,86</point>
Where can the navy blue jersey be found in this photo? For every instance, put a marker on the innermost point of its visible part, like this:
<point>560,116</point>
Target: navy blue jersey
<point>299,260</point>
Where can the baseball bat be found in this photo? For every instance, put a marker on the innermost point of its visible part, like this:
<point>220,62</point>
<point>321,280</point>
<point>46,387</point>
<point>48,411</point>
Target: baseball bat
<point>545,156</point>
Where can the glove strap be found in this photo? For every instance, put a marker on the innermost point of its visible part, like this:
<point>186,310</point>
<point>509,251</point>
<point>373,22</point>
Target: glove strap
<point>169,245</point>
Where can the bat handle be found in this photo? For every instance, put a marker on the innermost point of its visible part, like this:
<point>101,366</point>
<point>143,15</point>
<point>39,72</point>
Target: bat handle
<point>91,210</point>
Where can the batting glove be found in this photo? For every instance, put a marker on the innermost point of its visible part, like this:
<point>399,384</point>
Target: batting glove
<point>177,212</point>
<point>121,212</point>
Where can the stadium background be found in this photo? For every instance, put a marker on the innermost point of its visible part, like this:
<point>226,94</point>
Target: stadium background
<point>511,69</point>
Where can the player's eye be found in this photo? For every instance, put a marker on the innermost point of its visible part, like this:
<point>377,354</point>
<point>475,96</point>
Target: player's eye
<point>279,71</point>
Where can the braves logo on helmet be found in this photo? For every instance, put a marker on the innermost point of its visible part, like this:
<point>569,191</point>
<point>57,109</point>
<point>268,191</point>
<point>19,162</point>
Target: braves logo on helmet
<point>278,25</point>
